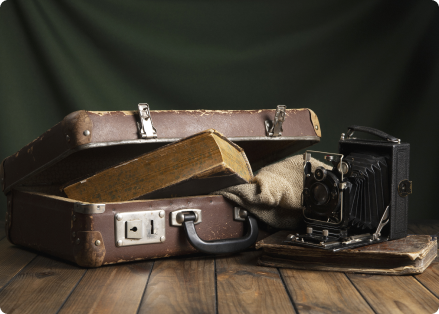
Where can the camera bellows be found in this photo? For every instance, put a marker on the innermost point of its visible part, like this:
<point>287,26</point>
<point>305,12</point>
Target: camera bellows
<point>368,191</point>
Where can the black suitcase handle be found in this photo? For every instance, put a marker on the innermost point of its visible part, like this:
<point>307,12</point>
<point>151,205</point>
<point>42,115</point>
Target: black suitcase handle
<point>372,131</point>
<point>220,246</point>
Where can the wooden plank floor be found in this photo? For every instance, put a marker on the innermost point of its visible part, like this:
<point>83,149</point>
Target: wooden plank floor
<point>33,283</point>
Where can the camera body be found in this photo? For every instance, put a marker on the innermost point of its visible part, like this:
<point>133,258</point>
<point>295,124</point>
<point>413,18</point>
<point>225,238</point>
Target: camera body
<point>363,199</point>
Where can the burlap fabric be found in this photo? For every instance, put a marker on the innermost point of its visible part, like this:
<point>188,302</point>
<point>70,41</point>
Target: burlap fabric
<point>274,194</point>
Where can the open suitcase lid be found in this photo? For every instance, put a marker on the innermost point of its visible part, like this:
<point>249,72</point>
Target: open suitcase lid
<point>86,142</point>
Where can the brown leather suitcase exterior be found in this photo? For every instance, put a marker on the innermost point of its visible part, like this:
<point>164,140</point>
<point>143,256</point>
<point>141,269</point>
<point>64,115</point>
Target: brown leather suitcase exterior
<point>39,216</point>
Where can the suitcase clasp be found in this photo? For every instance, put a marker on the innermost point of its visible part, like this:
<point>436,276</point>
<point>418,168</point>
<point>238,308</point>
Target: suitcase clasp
<point>274,128</point>
<point>146,129</point>
<point>143,227</point>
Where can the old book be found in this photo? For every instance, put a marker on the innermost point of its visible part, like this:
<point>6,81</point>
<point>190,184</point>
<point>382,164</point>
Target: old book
<point>410,255</point>
<point>195,165</point>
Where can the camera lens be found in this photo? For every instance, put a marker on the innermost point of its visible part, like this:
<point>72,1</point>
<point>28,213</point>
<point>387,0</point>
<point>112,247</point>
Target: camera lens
<point>320,194</point>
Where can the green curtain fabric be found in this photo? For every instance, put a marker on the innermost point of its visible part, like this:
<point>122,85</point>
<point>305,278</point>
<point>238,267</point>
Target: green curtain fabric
<point>368,62</point>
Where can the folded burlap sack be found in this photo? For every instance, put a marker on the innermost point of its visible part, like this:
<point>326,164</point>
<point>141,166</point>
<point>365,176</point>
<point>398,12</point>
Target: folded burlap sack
<point>274,194</point>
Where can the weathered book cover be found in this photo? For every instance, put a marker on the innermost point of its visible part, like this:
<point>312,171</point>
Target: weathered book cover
<point>410,255</point>
<point>195,165</point>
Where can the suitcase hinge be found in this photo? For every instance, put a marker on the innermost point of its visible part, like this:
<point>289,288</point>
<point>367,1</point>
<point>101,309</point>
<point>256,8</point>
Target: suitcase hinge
<point>274,128</point>
<point>146,129</point>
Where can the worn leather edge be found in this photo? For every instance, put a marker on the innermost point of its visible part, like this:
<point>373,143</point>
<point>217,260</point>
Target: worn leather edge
<point>124,112</point>
<point>217,111</point>
<point>315,122</point>
<point>86,252</point>
<point>74,125</point>
<point>65,135</point>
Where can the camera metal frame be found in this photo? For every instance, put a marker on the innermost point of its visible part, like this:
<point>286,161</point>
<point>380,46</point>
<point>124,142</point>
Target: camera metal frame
<point>307,158</point>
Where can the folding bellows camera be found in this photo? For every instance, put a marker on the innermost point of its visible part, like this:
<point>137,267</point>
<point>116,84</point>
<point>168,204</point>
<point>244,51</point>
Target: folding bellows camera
<point>363,199</point>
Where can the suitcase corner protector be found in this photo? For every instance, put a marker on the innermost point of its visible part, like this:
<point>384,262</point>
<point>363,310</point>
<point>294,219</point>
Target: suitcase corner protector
<point>78,128</point>
<point>89,249</point>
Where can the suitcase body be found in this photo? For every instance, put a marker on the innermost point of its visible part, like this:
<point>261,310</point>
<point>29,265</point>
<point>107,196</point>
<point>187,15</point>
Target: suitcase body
<point>39,216</point>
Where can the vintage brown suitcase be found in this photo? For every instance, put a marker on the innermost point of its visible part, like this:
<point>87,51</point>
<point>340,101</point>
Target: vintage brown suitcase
<point>39,216</point>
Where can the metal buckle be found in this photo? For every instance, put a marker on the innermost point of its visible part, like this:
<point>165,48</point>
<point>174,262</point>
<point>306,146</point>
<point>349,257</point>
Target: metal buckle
<point>146,129</point>
<point>274,128</point>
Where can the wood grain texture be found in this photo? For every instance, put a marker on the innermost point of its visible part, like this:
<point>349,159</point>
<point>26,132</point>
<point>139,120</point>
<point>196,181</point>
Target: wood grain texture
<point>395,294</point>
<point>244,287</point>
<point>323,292</point>
<point>430,227</point>
<point>12,260</point>
<point>181,286</point>
<point>110,289</point>
<point>42,287</point>
<point>430,278</point>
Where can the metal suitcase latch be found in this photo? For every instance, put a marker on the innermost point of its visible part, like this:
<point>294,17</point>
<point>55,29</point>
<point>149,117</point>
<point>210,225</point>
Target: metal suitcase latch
<point>134,228</point>
<point>146,129</point>
<point>274,128</point>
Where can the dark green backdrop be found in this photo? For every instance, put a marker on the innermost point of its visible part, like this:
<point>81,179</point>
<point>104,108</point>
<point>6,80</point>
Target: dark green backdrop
<point>368,62</point>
